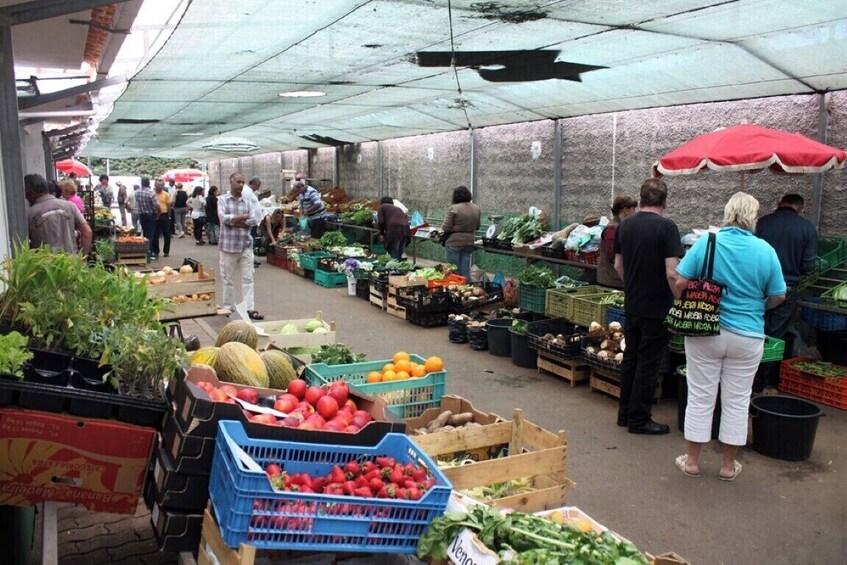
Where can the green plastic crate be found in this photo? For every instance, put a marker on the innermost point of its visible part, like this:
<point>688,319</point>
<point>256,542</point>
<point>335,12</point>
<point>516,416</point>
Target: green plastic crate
<point>587,308</point>
<point>829,298</point>
<point>560,300</point>
<point>532,298</point>
<point>832,253</point>
<point>309,260</point>
<point>330,279</point>
<point>774,350</point>
<point>406,399</point>
<point>378,249</point>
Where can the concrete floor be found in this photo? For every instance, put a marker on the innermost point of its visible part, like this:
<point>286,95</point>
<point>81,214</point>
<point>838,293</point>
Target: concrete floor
<point>777,512</point>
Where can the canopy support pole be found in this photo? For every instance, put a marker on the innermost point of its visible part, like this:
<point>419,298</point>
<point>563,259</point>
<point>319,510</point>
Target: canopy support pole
<point>817,184</point>
<point>557,175</point>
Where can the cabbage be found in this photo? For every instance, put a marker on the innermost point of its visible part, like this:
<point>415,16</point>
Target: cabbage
<point>288,329</point>
<point>313,325</point>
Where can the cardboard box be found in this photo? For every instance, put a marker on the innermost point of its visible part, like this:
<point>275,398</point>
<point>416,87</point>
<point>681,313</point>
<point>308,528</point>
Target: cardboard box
<point>99,464</point>
<point>269,333</point>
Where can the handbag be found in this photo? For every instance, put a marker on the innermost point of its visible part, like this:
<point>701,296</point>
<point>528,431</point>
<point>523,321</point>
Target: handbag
<point>697,312</point>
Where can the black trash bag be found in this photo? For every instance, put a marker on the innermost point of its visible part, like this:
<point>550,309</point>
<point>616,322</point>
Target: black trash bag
<point>458,330</point>
<point>478,338</point>
<point>192,342</point>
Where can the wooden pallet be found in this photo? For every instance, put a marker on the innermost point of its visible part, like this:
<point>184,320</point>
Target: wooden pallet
<point>132,259</point>
<point>572,370</point>
<point>610,383</point>
<point>377,299</point>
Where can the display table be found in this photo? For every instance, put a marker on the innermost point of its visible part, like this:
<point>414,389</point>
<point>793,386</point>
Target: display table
<point>373,233</point>
<point>533,258</point>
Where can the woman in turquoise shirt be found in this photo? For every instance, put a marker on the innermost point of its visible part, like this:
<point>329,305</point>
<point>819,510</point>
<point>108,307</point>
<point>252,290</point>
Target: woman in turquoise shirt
<point>752,277</point>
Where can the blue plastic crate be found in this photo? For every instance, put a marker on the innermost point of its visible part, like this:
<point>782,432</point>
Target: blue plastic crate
<point>821,319</point>
<point>249,510</point>
<point>615,315</point>
<point>407,398</point>
<point>329,279</point>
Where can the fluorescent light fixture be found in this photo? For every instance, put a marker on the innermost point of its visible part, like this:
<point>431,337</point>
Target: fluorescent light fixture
<point>302,94</point>
<point>230,145</point>
<point>193,134</point>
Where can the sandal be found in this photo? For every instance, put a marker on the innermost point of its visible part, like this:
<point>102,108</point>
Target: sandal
<point>736,470</point>
<point>254,315</point>
<point>681,462</point>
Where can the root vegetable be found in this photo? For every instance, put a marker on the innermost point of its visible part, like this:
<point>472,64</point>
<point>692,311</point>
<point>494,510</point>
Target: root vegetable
<point>440,421</point>
<point>460,419</point>
<point>615,327</point>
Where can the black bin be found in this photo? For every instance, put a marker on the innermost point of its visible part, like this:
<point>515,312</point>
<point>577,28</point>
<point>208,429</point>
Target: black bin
<point>499,341</point>
<point>522,354</point>
<point>784,427</point>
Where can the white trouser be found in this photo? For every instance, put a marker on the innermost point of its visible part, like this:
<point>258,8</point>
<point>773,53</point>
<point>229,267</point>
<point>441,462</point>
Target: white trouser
<point>233,264</point>
<point>729,360</point>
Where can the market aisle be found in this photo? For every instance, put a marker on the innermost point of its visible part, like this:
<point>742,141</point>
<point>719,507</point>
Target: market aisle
<point>774,513</point>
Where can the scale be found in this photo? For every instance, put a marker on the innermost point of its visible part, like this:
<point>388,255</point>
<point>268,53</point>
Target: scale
<point>495,228</point>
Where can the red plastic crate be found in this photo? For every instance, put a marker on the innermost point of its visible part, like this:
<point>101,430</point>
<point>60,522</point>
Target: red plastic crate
<point>831,391</point>
<point>447,281</point>
<point>278,261</point>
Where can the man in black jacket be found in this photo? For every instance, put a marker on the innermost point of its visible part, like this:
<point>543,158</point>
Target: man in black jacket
<point>796,243</point>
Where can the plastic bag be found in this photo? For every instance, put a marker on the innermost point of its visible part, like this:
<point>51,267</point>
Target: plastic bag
<point>417,220</point>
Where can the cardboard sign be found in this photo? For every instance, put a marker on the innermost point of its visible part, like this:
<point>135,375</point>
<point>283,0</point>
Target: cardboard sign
<point>99,464</point>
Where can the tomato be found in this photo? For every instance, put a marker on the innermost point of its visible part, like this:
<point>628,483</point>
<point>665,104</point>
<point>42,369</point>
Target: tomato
<point>298,387</point>
<point>359,422</point>
<point>313,394</point>
<point>327,406</point>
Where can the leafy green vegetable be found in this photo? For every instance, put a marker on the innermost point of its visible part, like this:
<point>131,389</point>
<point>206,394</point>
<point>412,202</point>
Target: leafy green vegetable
<point>821,368</point>
<point>521,229</point>
<point>520,327</point>
<point>537,276</point>
<point>333,239</point>
<point>13,354</point>
<point>531,540</point>
<point>337,354</point>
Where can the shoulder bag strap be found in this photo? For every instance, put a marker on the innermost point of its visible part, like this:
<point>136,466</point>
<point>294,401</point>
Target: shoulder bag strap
<point>709,258</point>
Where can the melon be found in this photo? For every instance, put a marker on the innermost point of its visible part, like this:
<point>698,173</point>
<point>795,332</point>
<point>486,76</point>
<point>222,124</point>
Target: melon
<point>239,363</point>
<point>312,325</point>
<point>280,370</point>
<point>205,356</point>
<point>239,331</point>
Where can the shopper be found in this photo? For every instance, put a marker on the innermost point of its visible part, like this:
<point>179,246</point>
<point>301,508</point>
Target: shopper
<point>122,202</point>
<point>750,272</point>
<point>622,207</point>
<point>311,207</point>
<point>272,227</point>
<point>212,221</point>
<point>69,193</point>
<point>105,191</point>
<point>237,217</point>
<point>163,221</point>
<point>796,243</point>
<point>54,222</point>
<point>393,226</point>
<point>459,229</point>
<point>148,212</point>
<point>180,204</point>
<point>197,205</point>
<point>132,206</point>
<point>647,251</point>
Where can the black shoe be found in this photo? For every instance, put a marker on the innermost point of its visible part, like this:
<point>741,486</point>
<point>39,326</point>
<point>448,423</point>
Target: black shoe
<point>257,264</point>
<point>623,420</point>
<point>650,428</point>
<point>166,255</point>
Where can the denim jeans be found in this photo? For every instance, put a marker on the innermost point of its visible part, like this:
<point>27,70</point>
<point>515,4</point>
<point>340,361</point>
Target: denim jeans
<point>163,228</point>
<point>179,219</point>
<point>646,342</point>
<point>213,230</point>
<point>461,256</point>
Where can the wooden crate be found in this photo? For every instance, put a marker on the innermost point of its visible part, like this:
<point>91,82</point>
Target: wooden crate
<point>186,284</point>
<point>269,333</point>
<point>534,453</point>
<point>610,383</point>
<point>402,281</point>
<point>572,370</point>
<point>377,299</point>
<point>396,311</point>
<point>132,259</point>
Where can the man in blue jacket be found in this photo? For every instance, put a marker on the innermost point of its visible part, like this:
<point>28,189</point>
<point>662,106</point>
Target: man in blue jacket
<point>796,243</point>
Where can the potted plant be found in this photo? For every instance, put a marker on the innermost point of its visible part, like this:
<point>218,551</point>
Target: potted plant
<point>141,359</point>
<point>104,250</point>
<point>14,354</point>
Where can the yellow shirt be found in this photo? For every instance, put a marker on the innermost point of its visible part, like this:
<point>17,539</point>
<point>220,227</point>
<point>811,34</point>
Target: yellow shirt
<point>164,202</point>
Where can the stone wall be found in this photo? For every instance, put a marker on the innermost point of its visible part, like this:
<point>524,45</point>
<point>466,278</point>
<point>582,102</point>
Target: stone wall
<point>602,156</point>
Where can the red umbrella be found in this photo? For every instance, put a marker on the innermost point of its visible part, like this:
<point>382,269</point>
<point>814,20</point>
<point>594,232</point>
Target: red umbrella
<point>183,175</point>
<point>69,166</point>
<point>749,147</point>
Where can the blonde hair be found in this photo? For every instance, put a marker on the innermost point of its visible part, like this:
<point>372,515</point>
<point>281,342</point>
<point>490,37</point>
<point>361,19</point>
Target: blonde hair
<point>67,186</point>
<point>741,211</point>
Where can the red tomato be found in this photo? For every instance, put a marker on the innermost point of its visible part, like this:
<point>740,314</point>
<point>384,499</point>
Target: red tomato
<point>298,387</point>
<point>359,422</point>
<point>313,394</point>
<point>327,407</point>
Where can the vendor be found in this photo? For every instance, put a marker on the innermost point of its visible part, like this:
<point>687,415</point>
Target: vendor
<point>311,206</point>
<point>622,207</point>
<point>273,225</point>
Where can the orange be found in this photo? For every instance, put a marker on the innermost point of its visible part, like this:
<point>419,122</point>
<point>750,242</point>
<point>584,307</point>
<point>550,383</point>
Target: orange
<point>388,367</point>
<point>374,377</point>
<point>388,376</point>
<point>401,376</point>
<point>400,355</point>
<point>434,364</point>
<point>418,371</point>
<point>403,365</point>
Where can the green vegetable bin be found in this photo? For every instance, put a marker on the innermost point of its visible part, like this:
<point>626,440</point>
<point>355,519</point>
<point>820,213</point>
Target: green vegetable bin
<point>309,261</point>
<point>406,399</point>
<point>560,300</point>
<point>532,298</point>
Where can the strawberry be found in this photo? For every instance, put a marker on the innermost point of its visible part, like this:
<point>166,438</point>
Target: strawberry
<point>337,475</point>
<point>419,474</point>
<point>376,484</point>
<point>352,469</point>
<point>385,461</point>
<point>363,491</point>
<point>361,481</point>
<point>415,494</point>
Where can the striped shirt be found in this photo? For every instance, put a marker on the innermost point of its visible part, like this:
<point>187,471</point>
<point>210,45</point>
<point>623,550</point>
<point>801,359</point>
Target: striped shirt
<point>310,198</point>
<point>235,239</point>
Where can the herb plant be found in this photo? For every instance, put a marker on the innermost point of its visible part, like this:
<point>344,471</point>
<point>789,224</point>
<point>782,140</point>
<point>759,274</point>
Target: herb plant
<point>13,354</point>
<point>337,354</point>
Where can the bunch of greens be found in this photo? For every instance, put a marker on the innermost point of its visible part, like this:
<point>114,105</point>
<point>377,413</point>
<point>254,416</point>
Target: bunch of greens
<point>395,265</point>
<point>337,354</point>
<point>529,540</point>
<point>537,276</point>
<point>332,239</point>
<point>520,327</point>
<point>140,358</point>
<point>13,354</point>
<point>521,229</point>
<point>104,249</point>
<point>357,215</point>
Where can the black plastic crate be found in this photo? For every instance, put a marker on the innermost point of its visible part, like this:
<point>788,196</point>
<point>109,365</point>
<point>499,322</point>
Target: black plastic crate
<point>504,244</point>
<point>489,243</point>
<point>363,289</point>
<point>178,491</point>
<point>176,531</point>
<point>569,350</point>
<point>328,264</point>
<point>553,252</point>
<point>419,299</point>
<point>494,294</point>
<point>189,452</point>
<point>427,319</point>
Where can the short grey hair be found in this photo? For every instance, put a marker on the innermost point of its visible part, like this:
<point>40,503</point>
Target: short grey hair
<point>254,180</point>
<point>741,211</point>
